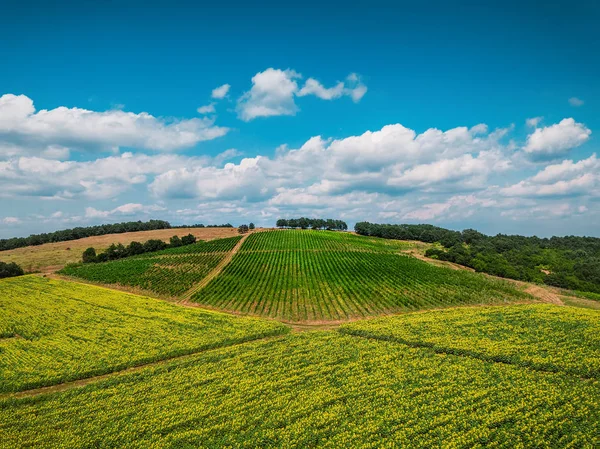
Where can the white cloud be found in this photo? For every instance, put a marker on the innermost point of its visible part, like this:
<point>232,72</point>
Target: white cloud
<point>11,220</point>
<point>393,159</point>
<point>533,122</point>
<point>123,210</point>
<point>207,109</point>
<point>313,87</point>
<point>272,94</point>
<point>556,140</point>
<point>565,179</point>
<point>78,128</point>
<point>221,91</point>
<point>574,101</point>
<point>99,179</point>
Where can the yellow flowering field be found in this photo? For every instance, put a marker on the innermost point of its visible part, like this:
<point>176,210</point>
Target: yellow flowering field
<point>542,336</point>
<point>54,331</point>
<point>323,389</point>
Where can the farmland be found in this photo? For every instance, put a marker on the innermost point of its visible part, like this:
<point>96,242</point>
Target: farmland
<point>317,275</point>
<point>570,341</point>
<point>327,389</point>
<point>55,331</point>
<point>170,272</point>
<point>51,256</point>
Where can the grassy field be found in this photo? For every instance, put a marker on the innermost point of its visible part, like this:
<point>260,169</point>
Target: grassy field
<point>52,256</point>
<point>326,276</point>
<point>170,272</point>
<point>55,331</point>
<point>333,390</point>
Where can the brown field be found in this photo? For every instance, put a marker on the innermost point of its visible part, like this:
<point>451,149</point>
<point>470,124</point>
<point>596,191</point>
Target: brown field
<point>53,256</point>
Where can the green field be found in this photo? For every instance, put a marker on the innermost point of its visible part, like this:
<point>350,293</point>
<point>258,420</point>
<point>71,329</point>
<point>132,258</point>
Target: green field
<point>332,390</point>
<point>170,272</point>
<point>541,337</point>
<point>320,275</point>
<point>55,331</point>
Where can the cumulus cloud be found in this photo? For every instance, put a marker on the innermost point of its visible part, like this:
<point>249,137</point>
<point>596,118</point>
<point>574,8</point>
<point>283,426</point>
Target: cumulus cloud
<point>574,101</point>
<point>393,159</point>
<point>11,220</point>
<point>220,92</point>
<point>556,140</point>
<point>102,178</point>
<point>568,178</point>
<point>273,93</point>
<point>207,109</point>
<point>123,210</point>
<point>22,126</point>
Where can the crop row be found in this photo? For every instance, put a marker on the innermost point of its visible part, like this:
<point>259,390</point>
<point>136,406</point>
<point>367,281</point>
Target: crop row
<point>63,331</point>
<point>316,390</point>
<point>170,272</point>
<point>543,337</point>
<point>331,285</point>
<point>319,240</point>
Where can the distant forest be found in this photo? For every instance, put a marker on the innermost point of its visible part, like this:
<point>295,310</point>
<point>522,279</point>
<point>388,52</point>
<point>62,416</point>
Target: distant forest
<point>567,262</point>
<point>313,223</point>
<point>91,231</point>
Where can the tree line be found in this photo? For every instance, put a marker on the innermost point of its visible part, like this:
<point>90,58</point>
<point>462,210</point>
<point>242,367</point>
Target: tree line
<point>119,251</point>
<point>312,223</point>
<point>200,225</point>
<point>568,262</point>
<point>81,232</point>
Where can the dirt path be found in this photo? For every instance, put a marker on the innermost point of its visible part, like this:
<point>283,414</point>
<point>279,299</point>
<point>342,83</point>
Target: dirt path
<point>215,272</point>
<point>88,380</point>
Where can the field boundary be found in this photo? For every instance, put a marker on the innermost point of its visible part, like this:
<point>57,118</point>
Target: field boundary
<point>215,271</point>
<point>524,364</point>
<point>79,383</point>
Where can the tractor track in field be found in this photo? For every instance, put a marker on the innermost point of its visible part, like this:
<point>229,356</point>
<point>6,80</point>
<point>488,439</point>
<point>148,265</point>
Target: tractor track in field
<point>214,273</point>
<point>64,386</point>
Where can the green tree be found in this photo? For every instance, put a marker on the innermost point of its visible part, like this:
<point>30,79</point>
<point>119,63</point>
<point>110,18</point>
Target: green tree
<point>89,255</point>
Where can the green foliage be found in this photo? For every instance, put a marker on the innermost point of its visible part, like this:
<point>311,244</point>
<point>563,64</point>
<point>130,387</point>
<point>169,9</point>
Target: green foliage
<point>541,337</point>
<point>55,331</point>
<point>314,223</point>
<point>320,389</point>
<point>168,272</point>
<point>316,275</point>
<point>8,270</point>
<point>251,226</point>
<point>568,262</point>
<point>81,232</point>
<point>243,229</point>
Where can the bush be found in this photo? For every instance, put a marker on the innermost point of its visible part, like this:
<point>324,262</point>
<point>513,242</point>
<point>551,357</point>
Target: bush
<point>89,256</point>
<point>8,270</point>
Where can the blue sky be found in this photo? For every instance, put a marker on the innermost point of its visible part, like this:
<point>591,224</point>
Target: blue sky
<point>396,113</point>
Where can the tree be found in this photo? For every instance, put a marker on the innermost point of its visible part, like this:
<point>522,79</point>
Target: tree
<point>251,226</point>
<point>135,248</point>
<point>8,270</point>
<point>89,255</point>
<point>282,223</point>
<point>188,239</point>
<point>242,229</point>
<point>175,242</point>
<point>154,245</point>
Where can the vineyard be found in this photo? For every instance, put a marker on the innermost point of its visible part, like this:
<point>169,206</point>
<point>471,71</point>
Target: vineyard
<point>331,390</point>
<point>170,272</point>
<point>55,331</point>
<point>320,275</point>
